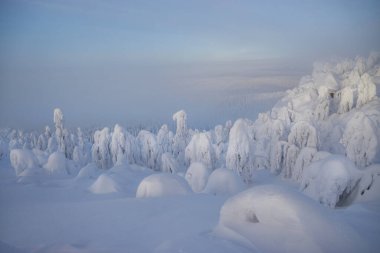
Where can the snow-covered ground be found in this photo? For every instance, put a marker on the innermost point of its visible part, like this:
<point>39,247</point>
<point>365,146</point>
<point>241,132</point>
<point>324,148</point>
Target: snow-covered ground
<point>303,177</point>
<point>63,215</point>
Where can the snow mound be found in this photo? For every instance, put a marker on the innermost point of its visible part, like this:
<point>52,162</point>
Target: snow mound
<point>104,184</point>
<point>22,159</point>
<point>160,185</point>
<point>56,164</point>
<point>197,175</point>
<point>262,215</point>
<point>331,180</point>
<point>223,181</point>
<point>88,171</point>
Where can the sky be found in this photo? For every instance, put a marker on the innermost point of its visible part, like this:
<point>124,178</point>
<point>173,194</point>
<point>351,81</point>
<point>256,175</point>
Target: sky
<point>138,62</point>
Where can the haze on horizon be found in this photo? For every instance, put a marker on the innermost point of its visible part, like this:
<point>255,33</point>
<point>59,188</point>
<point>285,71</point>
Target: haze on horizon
<point>137,62</point>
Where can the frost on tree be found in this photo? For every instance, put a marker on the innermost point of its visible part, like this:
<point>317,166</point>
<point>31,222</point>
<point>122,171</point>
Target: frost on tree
<point>200,150</point>
<point>239,153</point>
<point>360,140</point>
<point>302,134</point>
<point>149,149</point>
<point>117,147</point>
<point>101,154</point>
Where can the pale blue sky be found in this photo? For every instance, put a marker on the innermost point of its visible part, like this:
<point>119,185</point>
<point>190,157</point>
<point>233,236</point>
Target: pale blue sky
<point>140,61</point>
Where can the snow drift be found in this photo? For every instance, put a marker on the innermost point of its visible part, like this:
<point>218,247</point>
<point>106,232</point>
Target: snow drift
<point>274,219</point>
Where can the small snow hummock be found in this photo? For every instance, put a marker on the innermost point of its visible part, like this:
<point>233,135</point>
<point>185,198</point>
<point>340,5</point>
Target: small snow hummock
<point>23,159</point>
<point>331,180</point>
<point>160,185</point>
<point>197,175</point>
<point>223,181</point>
<point>88,171</point>
<point>104,184</point>
<point>56,164</point>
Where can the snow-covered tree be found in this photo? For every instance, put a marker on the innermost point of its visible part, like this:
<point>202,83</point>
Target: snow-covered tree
<point>290,154</point>
<point>366,90</point>
<point>168,163</point>
<point>149,149</point>
<point>117,146</point>
<point>346,96</point>
<point>360,140</point>
<point>181,136</point>
<point>101,154</point>
<point>302,134</point>
<point>58,122</point>
<point>239,152</point>
<point>200,150</point>
<point>80,152</point>
<point>304,159</point>
<point>322,109</point>
<point>277,156</point>
<point>165,139</point>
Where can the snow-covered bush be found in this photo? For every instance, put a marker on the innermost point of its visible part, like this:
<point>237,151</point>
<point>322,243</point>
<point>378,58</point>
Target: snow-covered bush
<point>161,185</point>
<point>331,180</point>
<point>149,149</point>
<point>239,152</point>
<point>223,181</point>
<point>56,164</point>
<point>23,159</point>
<point>200,150</point>
<point>197,175</point>
<point>101,153</point>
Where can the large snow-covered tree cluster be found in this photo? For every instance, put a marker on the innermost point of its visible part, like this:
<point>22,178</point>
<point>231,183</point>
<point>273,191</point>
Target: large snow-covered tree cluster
<point>324,135</point>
